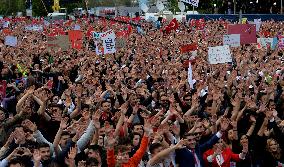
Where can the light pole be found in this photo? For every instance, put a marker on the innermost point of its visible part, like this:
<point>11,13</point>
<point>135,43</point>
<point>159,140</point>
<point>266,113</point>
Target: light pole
<point>281,8</point>
<point>235,6</point>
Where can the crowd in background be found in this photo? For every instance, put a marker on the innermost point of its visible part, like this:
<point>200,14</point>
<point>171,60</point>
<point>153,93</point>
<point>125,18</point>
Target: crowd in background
<point>135,107</point>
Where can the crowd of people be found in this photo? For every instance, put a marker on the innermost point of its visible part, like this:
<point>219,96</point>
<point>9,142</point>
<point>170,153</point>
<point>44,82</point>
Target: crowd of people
<point>135,107</point>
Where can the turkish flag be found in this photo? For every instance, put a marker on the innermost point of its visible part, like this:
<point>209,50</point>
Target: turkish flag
<point>172,26</point>
<point>247,31</point>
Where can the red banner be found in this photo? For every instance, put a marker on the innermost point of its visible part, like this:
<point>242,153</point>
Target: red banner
<point>247,32</point>
<point>172,26</point>
<point>188,48</point>
<point>76,38</point>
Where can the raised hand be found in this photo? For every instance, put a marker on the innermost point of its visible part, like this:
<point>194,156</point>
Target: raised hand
<point>36,156</point>
<point>224,124</point>
<point>180,144</point>
<point>96,118</point>
<point>64,123</point>
<point>72,153</point>
<point>148,127</point>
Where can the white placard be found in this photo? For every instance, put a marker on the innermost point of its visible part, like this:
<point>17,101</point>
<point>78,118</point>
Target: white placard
<point>219,54</point>
<point>11,41</point>
<point>6,24</point>
<point>233,40</point>
<point>181,6</point>
<point>77,27</point>
<point>108,38</point>
<point>160,6</point>
<point>257,23</point>
<point>192,2</point>
<point>144,7</point>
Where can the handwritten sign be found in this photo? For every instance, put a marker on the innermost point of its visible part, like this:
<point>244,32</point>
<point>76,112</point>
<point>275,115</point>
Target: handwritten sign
<point>257,23</point>
<point>11,41</point>
<point>233,40</point>
<point>108,39</point>
<point>219,54</point>
<point>267,42</point>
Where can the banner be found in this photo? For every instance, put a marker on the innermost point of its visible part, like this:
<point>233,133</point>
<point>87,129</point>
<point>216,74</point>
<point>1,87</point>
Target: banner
<point>257,23</point>
<point>219,54</point>
<point>188,48</point>
<point>11,41</point>
<point>108,39</point>
<point>233,40</point>
<point>76,38</point>
<point>34,28</point>
<point>267,42</point>
<point>192,2</point>
<point>56,42</point>
<point>247,32</point>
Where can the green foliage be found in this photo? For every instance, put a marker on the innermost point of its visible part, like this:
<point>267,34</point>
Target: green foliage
<point>9,7</point>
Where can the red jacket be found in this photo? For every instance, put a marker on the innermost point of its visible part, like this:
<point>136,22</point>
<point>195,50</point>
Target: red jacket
<point>227,154</point>
<point>133,161</point>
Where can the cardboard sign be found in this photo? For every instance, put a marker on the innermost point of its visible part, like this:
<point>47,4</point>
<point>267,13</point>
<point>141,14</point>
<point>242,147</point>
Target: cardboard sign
<point>233,40</point>
<point>188,48</point>
<point>247,32</point>
<point>11,41</point>
<point>219,54</point>
<point>120,43</point>
<point>192,2</point>
<point>108,39</point>
<point>257,23</point>
<point>76,38</point>
<point>56,42</point>
<point>267,42</point>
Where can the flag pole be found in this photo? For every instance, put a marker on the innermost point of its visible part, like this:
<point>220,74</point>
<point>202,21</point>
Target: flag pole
<point>193,9</point>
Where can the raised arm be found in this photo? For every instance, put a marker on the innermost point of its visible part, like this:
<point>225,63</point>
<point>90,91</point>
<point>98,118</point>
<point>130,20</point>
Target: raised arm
<point>161,155</point>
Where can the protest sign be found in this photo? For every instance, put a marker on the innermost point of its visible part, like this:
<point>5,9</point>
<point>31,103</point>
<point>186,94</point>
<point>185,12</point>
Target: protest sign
<point>34,28</point>
<point>77,27</point>
<point>219,54</point>
<point>267,42</point>
<point>232,40</point>
<point>76,36</point>
<point>58,42</point>
<point>192,2</point>
<point>108,39</point>
<point>247,32</point>
<point>257,23</point>
<point>11,41</point>
<point>188,48</point>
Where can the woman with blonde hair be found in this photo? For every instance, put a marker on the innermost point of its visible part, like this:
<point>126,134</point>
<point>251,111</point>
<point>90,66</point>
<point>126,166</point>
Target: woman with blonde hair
<point>274,156</point>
